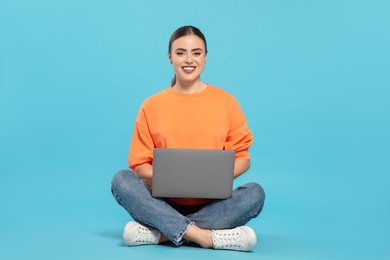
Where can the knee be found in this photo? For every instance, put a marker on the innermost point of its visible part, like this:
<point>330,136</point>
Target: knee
<point>119,179</point>
<point>257,194</point>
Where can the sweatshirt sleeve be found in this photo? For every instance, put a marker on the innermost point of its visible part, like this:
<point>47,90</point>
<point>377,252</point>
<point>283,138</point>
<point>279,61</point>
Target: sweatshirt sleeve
<point>239,137</point>
<point>142,144</point>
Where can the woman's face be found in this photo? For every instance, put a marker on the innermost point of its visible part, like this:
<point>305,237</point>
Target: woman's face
<point>188,56</point>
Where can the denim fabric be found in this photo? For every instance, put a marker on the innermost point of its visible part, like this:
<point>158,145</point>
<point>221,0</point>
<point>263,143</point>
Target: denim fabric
<point>133,194</point>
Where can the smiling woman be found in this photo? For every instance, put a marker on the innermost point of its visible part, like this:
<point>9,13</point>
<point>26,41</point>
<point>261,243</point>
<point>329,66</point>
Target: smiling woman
<point>194,115</point>
<point>187,52</point>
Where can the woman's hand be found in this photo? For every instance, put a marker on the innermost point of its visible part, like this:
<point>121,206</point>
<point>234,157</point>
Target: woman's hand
<point>241,166</point>
<point>145,171</point>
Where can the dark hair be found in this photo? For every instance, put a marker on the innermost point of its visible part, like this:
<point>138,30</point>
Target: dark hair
<point>184,31</point>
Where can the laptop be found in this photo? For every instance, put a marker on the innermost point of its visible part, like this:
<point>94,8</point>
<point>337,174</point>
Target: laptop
<point>193,173</point>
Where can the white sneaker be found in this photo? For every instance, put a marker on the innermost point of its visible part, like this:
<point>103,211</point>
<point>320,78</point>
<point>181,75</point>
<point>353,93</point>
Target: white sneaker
<point>239,238</point>
<point>136,234</point>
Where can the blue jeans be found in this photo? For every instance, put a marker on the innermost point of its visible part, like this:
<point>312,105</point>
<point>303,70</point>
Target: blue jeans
<point>132,193</point>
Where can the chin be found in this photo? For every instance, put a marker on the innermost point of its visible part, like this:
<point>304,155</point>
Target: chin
<point>191,78</point>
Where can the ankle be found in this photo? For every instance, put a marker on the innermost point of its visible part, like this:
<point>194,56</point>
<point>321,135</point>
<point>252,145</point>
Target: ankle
<point>199,236</point>
<point>163,239</point>
<point>206,240</point>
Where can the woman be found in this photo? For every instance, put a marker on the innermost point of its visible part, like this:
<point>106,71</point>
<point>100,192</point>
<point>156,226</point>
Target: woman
<point>189,114</point>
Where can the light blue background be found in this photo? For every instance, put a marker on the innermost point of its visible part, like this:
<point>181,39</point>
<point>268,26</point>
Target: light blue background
<point>312,77</point>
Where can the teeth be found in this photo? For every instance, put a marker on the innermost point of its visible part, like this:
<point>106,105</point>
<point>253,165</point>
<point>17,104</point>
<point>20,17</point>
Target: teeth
<point>188,68</point>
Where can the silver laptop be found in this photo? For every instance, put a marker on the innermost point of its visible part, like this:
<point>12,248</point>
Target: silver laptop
<point>193,173</point>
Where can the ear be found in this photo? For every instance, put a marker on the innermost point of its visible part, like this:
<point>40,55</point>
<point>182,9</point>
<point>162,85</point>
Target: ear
<point>170,57</point>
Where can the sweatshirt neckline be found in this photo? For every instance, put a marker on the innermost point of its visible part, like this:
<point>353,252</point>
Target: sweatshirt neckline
<point>204,92</point>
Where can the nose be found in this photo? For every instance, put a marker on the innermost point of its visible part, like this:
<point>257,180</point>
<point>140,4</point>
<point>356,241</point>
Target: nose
<point>188,59</point>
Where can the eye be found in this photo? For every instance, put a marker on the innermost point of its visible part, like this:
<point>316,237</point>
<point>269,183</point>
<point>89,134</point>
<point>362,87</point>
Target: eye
<point>179,53</point>
<point>197,54</point>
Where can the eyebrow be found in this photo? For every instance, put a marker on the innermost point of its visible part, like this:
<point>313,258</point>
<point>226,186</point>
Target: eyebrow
<point>196,49</point>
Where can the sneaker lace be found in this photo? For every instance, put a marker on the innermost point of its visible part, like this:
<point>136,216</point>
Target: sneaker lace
<point>145,235</point>
<point>228,239</point>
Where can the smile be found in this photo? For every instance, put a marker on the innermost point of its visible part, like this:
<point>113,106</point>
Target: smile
<point>188,69</point>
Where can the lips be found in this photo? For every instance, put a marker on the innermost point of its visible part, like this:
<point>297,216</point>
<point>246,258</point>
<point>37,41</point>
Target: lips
<point>188,69</point>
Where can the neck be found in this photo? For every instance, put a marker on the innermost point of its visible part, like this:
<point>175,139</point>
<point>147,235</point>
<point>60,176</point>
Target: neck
<point>189,87</point>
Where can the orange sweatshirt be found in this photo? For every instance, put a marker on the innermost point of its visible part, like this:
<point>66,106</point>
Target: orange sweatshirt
<point>211,119</point>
